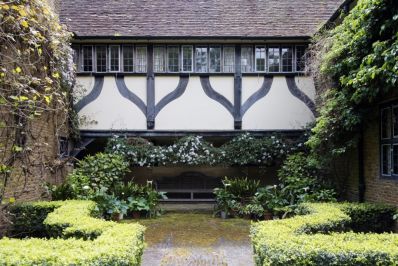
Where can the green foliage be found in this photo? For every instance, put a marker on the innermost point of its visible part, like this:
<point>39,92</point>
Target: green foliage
<point>62,191</point>
<point>36,77</point>
<point>193,150</point>
<point>101,171</point>
<point>367,217</point>
<point>300,181</point>
<point>361,63</point>
<point>316,239</point>
<point>98,242</point>
<point>28,218</point>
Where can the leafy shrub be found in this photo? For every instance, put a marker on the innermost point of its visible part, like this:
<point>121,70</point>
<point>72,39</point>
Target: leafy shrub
<point>194,150</point>
<point>62,191</point>
<point>300,182</point>
<point>110,243</point>
<point>101,171</point>
<point>368,217</point>
<point>28,218</point>
<point>313,239</point>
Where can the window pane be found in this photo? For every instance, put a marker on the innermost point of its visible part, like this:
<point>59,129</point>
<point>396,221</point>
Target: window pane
<point>247,59</point>
<point>260,58</point>
<point>187,55</point>
<point>201,59</point>
<point>173,58</point>
<point>273,59</point>
<point>287,59</point>
<point>395,121</point>
<point>114,57</point>
<point>87,58</point>
<point>76,57</point>
<point>140,59</point>
<point>128,58</point>
<point>229,59</point>
<point>159,57</point>
<point>386,159</point>
<point>395,159</point>
<point>300,58</point>
<point>101,58</point>
<point>215,59</point>
<point>386,123</point>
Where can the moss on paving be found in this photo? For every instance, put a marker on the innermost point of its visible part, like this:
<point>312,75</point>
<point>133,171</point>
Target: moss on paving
<point>194,229</point>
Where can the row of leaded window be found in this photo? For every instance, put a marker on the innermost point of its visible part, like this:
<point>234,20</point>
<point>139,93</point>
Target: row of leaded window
<point>189,58</point>
<point>389,141</point>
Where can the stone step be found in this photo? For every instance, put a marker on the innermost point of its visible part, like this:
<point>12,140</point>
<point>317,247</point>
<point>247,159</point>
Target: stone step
<point>187,207</point>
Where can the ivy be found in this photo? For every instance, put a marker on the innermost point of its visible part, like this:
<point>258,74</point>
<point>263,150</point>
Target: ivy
<point>36,77</point>
<point>358,65</point>
<point>194,150</point>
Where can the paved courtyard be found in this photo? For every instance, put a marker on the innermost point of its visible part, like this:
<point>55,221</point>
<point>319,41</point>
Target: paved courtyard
<point>196,239</point>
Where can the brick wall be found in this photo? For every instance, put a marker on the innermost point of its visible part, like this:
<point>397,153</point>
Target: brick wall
<point>377,189</point>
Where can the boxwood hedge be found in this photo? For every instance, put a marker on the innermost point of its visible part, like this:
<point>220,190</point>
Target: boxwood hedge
<point>324,236</point>
<point>81,238</point>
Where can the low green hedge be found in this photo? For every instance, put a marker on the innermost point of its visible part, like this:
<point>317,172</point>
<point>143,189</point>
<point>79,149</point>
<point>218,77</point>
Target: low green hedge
<point>319,238</point>
<point>82,240</point>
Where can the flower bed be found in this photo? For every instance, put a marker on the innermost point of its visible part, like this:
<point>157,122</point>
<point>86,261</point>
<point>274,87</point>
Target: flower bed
<point>318,238</point>
<point>83,239</point>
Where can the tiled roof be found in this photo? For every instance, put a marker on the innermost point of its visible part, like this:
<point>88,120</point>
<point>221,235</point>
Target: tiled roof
<point>197,18</point>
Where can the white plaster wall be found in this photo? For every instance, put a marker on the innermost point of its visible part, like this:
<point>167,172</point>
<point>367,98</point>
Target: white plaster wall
<point>250,85</point>
<point>112,111</point>
<point>224,85</point>
<point>136,85</point>
<point>306,85</point>
<point>278,110</point>
<point>84,85</point>
<point>194,110</point>
<point>164,85</point>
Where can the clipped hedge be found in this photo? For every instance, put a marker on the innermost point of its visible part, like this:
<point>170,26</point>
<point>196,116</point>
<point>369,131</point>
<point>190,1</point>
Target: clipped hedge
<point>83,240</point>
<point>319,238</point>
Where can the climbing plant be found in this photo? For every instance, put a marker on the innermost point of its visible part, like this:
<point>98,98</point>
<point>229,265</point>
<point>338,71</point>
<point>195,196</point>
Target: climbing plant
<point>242,150</point>
<point>36,75</point>
<point>356,64</point>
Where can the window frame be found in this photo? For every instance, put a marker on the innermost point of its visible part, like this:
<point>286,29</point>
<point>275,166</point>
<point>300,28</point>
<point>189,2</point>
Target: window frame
<point>233,47</point>
<point>192,59</point>
<point>265,59</point>
<point>123,47</point>
<point>291,47</point>
<point>92,59</point>
<point>295,59</point>
<point>251,65</point>
<point>110,58</point>
<point>136,66</point>
<point>164,47</point>
<point>207,58</point>
<point>178,58</point>
<point>390,141</point>
<point>278,47</point>
<point>106,58</point>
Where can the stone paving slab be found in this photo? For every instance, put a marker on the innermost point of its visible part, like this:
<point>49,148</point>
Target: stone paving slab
<point>193,239</point>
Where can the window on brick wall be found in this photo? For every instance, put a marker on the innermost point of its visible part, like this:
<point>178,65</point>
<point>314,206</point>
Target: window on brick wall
<point>389,141</point>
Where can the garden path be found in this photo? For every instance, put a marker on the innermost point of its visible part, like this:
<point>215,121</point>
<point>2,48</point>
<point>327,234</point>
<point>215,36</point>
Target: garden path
<point>181,239</point>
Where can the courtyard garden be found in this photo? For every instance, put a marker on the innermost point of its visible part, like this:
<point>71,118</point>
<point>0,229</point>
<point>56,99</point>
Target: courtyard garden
<point>97,215</point>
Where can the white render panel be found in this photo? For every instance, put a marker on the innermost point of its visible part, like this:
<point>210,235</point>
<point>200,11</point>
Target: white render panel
<point>278,110</point>
<point>224,86</point>
<point>84,85</point>
<point>164,85</point>
<point>137,85</point>
<point>306,85</point>
<point>250,85</point>
<point>194,110</point>
<point>111,111</point>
